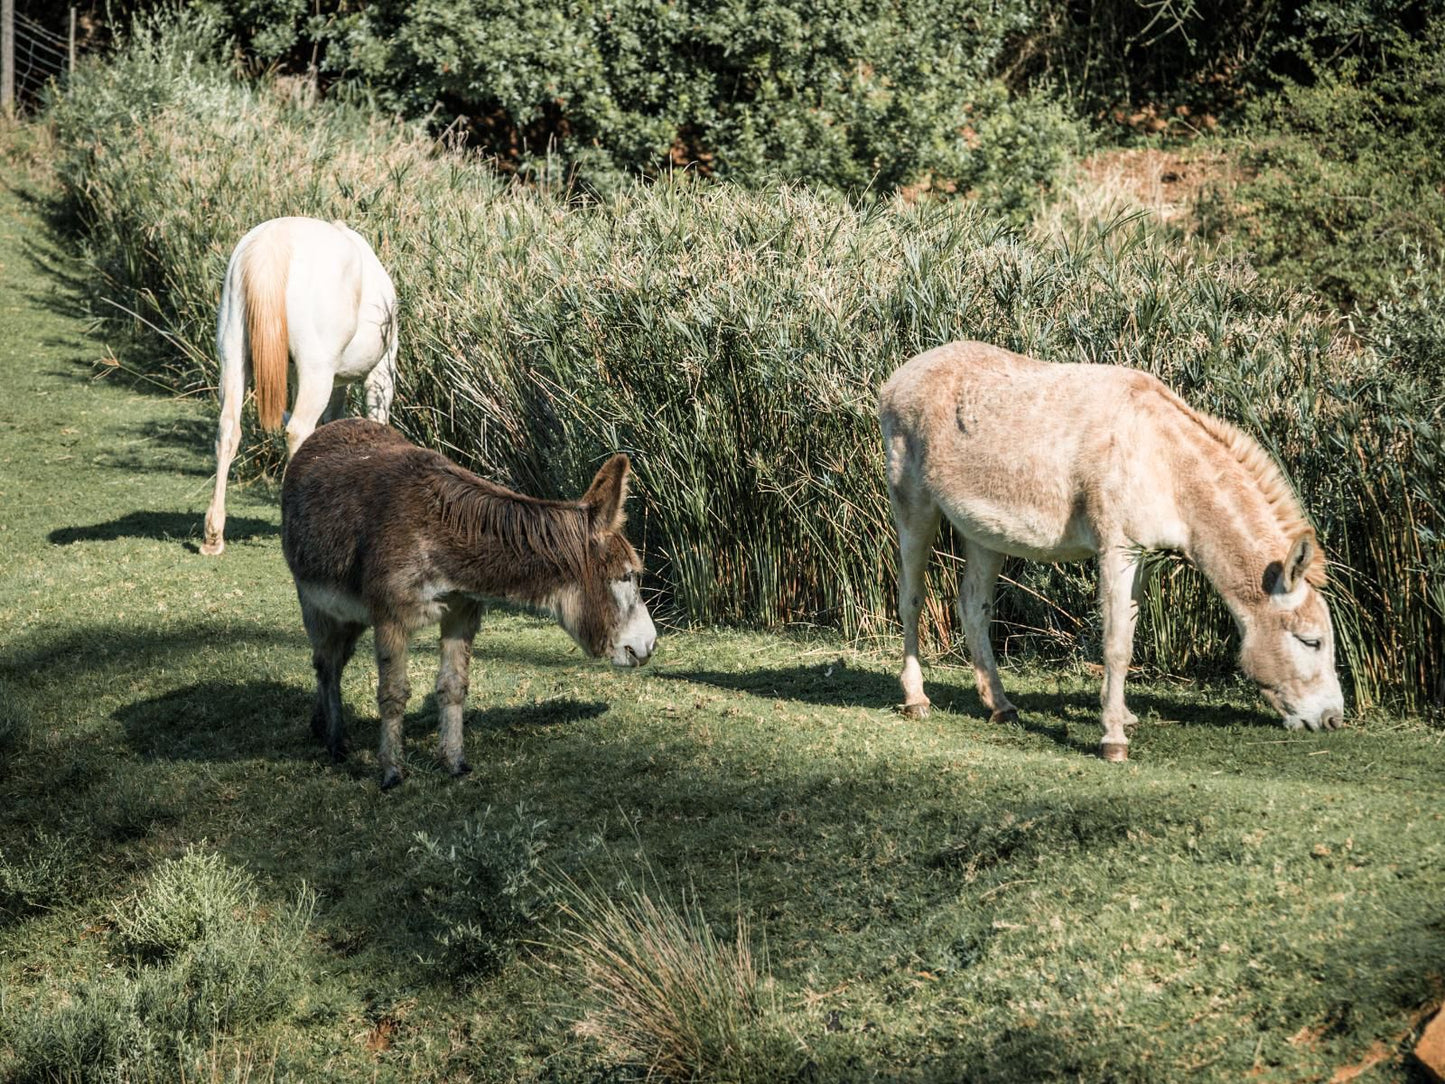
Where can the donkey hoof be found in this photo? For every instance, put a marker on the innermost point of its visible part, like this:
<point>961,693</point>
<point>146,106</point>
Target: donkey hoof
<point>1116,752</point>
<point>916,711</point>
<point>390,778</point>
<point>1007,715</point>
<point>213,547</point>
<point>461,768</point>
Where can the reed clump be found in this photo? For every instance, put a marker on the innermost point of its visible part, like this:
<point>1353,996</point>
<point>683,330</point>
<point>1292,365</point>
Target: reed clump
<point>733,340</point>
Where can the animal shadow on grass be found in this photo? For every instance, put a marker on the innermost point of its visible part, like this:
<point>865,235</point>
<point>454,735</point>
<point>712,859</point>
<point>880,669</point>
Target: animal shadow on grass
<point>836,685</point>
<point>163,527</point>
<point>556,712</point>
<point>175,445</point>
<point>215,720</point>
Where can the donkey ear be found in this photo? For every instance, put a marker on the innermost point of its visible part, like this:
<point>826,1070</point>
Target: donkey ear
<point>1296,565</point>
<point>608,492</point>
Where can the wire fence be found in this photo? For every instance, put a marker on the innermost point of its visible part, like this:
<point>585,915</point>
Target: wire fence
<point>42,56</point>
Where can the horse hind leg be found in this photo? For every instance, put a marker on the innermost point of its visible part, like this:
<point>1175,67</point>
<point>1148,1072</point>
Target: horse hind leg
<point>380,383</point>
<point>228,438</point>
<point>315,384</point>
<point>975,613</point>
<point>1120,581</point>
<point>392,693</point>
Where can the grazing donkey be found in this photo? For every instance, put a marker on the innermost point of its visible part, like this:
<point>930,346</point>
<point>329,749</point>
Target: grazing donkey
<point>379,532</point>
<point>1065,462</point>
<point>313,293</point>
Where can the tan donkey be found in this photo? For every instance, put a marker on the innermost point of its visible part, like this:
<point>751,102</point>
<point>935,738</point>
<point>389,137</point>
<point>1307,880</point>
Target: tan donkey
<point>1058,462</point>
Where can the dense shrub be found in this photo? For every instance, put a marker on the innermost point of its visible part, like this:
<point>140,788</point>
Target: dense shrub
<point>734,341</point>
<point>852,95</point>
<point>1344,177</point>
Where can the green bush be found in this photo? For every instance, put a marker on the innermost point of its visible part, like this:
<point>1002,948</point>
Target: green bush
<point>734,340</point>
<point>481,886</point>
<point>850,95</point>
<point>205,958</point>
<point>1344,178</point>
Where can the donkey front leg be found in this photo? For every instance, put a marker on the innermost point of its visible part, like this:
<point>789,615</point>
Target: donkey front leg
<point>975,613</point>
<point>1120,576</point>
<point>459,627</point>
<point>392,693</point>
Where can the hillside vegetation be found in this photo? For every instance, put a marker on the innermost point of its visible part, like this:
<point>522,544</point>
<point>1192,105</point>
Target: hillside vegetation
<point>736,864</point>
<point>733,339</point>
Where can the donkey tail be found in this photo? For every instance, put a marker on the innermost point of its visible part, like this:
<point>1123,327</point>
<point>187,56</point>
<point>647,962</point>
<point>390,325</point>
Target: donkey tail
<point>264,268</point>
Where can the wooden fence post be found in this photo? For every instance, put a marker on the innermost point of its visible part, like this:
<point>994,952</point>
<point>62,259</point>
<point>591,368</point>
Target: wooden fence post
<point>7,57</point>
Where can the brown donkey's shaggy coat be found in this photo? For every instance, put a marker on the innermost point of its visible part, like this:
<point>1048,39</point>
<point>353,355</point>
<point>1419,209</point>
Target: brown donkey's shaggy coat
<point>380,532</point>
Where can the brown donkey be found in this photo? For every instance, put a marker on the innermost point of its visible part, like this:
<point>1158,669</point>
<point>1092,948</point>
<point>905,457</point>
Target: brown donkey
<point>379,532</point>
<point>1066,462</point>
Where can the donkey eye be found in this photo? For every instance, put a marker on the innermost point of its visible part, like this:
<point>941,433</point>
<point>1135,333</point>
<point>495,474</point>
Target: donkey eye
<point>1310,642</point>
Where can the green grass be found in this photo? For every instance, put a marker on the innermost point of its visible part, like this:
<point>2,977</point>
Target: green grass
<point>927,901</point>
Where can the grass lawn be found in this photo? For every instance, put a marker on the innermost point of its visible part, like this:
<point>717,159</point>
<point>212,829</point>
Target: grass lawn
<point>937,900</point>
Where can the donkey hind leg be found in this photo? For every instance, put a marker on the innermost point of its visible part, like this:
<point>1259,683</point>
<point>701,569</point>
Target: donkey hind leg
<point>917,518</point>
<point>228,436</point>
<point>332,642</point>
<point>975,612</point>
<point>1120,578</point>
<point>459,628</point>
<point>314,385</point>
<point>392,693</point>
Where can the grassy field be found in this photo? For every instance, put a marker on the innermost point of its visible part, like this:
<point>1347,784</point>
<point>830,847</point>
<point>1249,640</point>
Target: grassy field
<point>941,900</point>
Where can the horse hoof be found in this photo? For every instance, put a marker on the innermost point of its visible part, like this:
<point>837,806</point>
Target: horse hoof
<point>460,769</point>
<point>1116,752</point>
<point>214,548</point>
<point>390,778</point>
<point>916,711</point>
<point>1008,715</point>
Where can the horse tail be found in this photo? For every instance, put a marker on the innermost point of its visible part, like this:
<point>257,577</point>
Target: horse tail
<point>264,268</point>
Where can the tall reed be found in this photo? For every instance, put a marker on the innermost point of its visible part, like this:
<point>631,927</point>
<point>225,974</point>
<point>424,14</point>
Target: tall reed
<point>733,341</point>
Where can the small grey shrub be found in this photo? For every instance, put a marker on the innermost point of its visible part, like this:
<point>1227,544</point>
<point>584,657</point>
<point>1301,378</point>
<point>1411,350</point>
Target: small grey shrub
<point>188,901</point>
<point>481,886</point>
<point>36,878</point>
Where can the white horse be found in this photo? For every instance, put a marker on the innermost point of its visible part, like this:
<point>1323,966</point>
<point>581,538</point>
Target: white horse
<point>1066,462</point>
<point>314,294</point>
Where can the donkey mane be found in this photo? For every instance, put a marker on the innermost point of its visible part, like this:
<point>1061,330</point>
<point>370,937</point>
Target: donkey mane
<point>1274,487</point>
<point>477,510</point>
